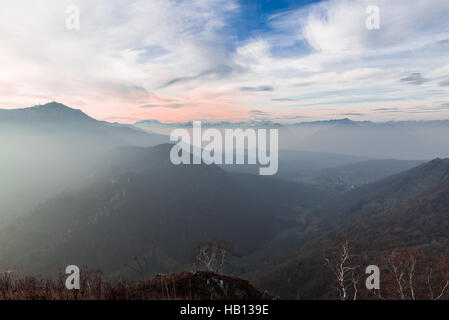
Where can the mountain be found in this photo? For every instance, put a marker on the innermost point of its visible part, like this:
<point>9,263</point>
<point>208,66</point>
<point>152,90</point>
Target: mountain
<point>422,219</point>
<point>48,148</point>
<point>404,140</point>
<point>409,209</point>
<point>297,165</point>
<point>50,113</point>
<point>423,140</point>
<point>387,192</point>
<point>80,191</point>
<point>337,172</point>
<point>139,204</point>
<point>350,176</point>
<point>54,117</point>
<point>155,124</point>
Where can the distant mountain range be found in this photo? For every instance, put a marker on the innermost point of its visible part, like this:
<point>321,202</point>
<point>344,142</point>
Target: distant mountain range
<point>256,123</point>
<point>405,140</point>
<point>423,140</point>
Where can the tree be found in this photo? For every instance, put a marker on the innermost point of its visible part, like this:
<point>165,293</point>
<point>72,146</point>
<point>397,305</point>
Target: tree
<point>402,266</point>
<point>342,263</point>
<point>410,276</point>
<point>212,255</point>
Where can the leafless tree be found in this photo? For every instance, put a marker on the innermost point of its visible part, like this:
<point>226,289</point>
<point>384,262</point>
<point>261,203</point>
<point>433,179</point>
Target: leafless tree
<point>410,276</point>
<point>402,264</point>
<point>444,286</point>
<point>212,255</point>
<point>341,264</point>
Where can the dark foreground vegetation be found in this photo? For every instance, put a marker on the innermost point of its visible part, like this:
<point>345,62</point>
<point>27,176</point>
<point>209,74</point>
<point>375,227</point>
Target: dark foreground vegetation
<point>201,285</point>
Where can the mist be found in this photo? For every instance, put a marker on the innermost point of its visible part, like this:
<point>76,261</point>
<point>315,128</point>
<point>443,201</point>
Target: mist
<point>423,140</point>
<point>47,150</point>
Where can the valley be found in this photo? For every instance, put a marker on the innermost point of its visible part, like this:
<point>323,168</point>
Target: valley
<point>126,209</point>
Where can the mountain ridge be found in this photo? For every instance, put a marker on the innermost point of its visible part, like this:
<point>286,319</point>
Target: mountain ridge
<point>417,218</point>
<point>52,111</point>
<point>47,148</point>
<point>142,206</point>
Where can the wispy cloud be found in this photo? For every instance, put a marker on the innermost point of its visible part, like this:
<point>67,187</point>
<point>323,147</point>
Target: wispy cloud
<point>184,60</point>
<point>258,112</point>
<point>258,88</point>
<point>384,110</point>
<point>414,78</point>
<point>283,99</point>
<point>173,106</point>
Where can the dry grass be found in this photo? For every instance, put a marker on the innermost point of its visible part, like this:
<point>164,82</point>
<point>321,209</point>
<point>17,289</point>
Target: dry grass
<point>93,286</point>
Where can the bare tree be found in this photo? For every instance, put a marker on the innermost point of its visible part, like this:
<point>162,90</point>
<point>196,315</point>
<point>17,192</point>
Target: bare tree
<point>442,283</point>
<point>213,255</point>
<point>341,263</point>
<point>410,276</point>
<point>407,273</point>
<point>402,264</point>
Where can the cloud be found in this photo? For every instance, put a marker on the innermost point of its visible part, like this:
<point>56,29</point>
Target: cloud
<point>113,119</point>
<point>292,117</point>
<point>258,88</point>
<point>336,27</point>
<point>384,110</point>
<point>258,112</point>
<point>187,60</point>
<point>120,47</point>
<point>262,115</point>
<point>353,114</point>
<point>283,99</point>
<point>440,107</point>
<point>219,71</point>
<point>415,78</point>
<point>303,84</point>
<point>173,106</point>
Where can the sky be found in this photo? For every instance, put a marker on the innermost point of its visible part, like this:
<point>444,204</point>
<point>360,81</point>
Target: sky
<point>228,60</point>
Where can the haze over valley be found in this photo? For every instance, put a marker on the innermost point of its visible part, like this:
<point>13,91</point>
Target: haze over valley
<point>104,194</point>
<point>224,150</point>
